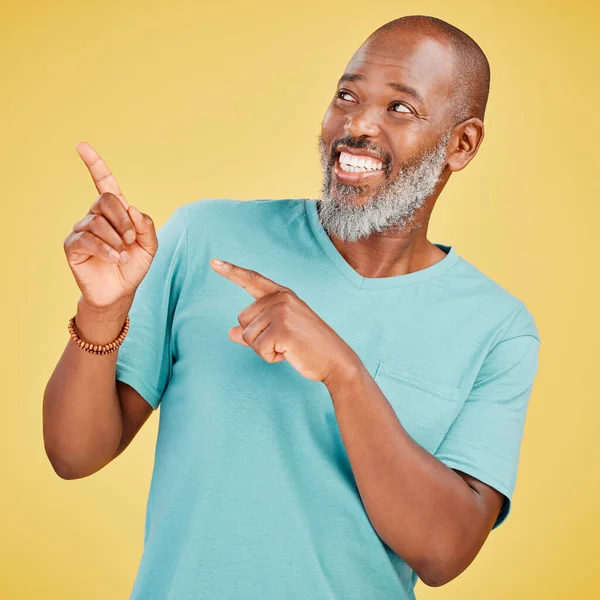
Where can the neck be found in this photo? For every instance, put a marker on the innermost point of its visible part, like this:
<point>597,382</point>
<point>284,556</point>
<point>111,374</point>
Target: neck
<point>391,253</point>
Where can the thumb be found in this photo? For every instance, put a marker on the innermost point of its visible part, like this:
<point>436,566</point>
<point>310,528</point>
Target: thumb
<point>145,230</point>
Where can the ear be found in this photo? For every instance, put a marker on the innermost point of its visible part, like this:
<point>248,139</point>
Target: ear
<point>464,143</point>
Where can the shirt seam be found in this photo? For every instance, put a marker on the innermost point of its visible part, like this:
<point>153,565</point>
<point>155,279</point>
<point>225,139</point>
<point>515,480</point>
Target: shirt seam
<point>477,384</point>
<point>508,321</point>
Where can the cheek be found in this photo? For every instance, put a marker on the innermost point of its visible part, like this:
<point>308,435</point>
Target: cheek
<point>407,145</point>
<point>332,126</point>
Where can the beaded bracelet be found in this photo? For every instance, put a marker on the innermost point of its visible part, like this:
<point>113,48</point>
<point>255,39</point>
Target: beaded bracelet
<point>95,348</point>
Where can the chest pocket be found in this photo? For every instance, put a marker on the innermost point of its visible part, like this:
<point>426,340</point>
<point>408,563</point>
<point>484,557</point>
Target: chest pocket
<point>424,407</point>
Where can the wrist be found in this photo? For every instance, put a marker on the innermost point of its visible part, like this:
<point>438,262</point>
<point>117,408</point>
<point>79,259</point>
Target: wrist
<point>344,372</point>
<point>101,325</point>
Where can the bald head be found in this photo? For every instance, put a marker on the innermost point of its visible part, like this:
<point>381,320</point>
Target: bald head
<point>471,70</point>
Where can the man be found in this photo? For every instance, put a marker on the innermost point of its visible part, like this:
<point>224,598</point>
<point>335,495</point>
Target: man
<point>360,427</point>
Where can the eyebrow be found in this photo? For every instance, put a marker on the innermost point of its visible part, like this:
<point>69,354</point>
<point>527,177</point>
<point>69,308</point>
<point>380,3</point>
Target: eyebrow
<point>399,87</point>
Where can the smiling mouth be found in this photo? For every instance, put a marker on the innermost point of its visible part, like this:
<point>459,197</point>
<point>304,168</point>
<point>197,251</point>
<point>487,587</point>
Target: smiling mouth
<point>356,168</point>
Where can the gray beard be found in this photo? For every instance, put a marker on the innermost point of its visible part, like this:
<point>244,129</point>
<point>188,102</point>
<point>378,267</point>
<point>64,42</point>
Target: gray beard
<point>393,205</point>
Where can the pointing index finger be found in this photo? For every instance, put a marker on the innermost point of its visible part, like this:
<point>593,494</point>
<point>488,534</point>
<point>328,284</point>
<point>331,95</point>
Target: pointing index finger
<point>254,283</point>
<point>104,180</point>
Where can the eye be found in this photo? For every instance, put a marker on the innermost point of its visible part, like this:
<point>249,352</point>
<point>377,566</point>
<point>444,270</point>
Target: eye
<point>341,93</point>
<point>403,106</point>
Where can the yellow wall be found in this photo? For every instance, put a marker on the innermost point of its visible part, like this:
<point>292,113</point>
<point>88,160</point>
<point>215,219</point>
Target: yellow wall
<point>188,101</point>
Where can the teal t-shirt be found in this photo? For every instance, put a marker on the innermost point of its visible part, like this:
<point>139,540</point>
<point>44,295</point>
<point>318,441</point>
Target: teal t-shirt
<point>252,494</point>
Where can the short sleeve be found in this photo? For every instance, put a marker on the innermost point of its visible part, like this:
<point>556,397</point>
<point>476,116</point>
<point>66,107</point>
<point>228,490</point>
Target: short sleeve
<point>484,441</point>
<point>144,359</point>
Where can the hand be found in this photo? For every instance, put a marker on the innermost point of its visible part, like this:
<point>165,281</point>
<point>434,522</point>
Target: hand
<point>110,250</point>
<point>278,326</point>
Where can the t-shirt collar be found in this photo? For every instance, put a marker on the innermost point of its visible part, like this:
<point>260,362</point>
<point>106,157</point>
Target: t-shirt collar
<point>370,283</point>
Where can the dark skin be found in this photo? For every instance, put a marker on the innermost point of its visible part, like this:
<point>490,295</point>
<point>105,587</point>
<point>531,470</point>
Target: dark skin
<point>435,518</point>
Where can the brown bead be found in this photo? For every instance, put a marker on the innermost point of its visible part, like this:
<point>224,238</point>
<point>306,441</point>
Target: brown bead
<point>97,348</point>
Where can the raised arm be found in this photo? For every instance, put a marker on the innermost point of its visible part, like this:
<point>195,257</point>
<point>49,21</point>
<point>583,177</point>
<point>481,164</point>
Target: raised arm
<point>89,417</point>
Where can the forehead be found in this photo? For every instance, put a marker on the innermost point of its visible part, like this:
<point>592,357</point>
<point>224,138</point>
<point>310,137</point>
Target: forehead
<point>421,62</point>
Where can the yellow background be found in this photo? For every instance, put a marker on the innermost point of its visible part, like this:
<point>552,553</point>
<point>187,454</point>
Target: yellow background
<point>191,100</point>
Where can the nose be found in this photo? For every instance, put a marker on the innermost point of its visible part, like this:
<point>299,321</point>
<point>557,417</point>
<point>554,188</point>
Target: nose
<point>363,122</point>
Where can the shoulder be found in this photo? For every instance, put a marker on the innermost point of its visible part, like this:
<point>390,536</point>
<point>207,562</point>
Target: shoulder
<point>237,230</point>
<point>244,221</point>
<point>493,301</point>
<point>227,211</point>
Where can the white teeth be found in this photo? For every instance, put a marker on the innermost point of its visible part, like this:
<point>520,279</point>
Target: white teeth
<point>351,163</point>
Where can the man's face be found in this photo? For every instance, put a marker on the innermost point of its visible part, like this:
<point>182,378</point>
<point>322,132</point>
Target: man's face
<point>384,134</point>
